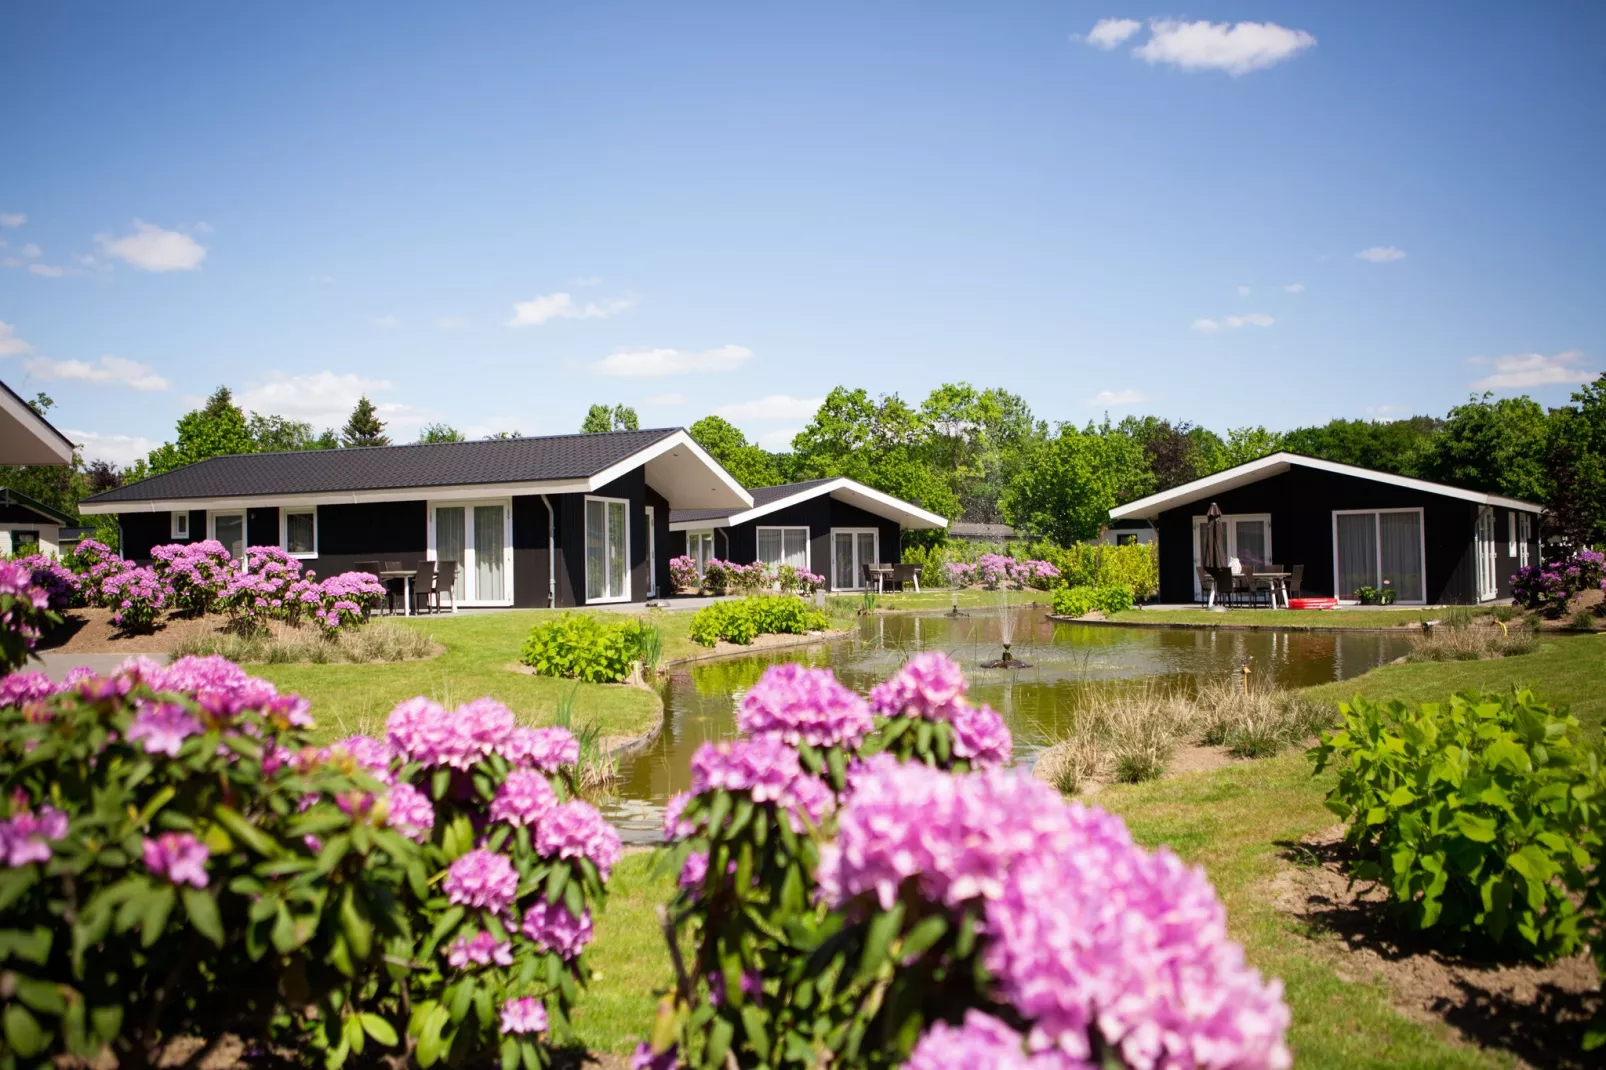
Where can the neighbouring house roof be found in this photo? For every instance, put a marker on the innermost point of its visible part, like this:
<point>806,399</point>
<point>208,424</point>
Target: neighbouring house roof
<point>1276,464</point>
<point>984,532</point>
<point>34,505</point>
<point>26,437</point>
<point>768,500</point>
<point>677,468</point>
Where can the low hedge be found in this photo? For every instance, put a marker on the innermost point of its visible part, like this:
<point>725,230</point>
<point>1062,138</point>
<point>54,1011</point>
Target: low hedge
<point>740,621</point>
<point>1080,601</point>
<point>577,646</point>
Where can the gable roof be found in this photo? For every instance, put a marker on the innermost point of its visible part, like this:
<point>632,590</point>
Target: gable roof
<point>34,505</point>
<point>768,500</point>
<point>548,464</point>
<point>26,437</point>
<point>1276,464</point>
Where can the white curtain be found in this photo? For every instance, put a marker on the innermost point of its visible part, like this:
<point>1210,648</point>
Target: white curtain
<point>846,576</point>
<point>795,546</point>
<point>596,549</point>
<point>449,546</point>
<point>489,577</point>
<point>769,545</point>
<point>1251,537</point>
<point>1357,553</point>
<point>1400,547</point>
<point>617,564</point>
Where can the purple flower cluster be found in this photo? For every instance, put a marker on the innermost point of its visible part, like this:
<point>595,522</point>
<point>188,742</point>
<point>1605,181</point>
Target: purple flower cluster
<point>576,830</point>
<point>960,573</point>
<point>420,730</point>
<point>26,837</point>
<point>993,569</point>
<point>484,879</point>
<point>94,561</point>
<point>932,686</point>
<point>684,573</point>
<point>164,726</point>
<point>1086,932</point>
<point>982,1041</point>
<point>59,582</point>
<point>547,749</point>
<point>768,771</point>
<point>524,798</point>
<point>135,596</point>
<point>341,600</point>
<point>177,857</point>
<point>794,580</point>
<point>197,572</point>
<point>552,928</point>
<point>802,705</point>
<point>410,812</point>
<point>481,949</point>
<point>21,688</point>
<point>220,688</point>
<point>644,1058</point>
<point>523,1015</point>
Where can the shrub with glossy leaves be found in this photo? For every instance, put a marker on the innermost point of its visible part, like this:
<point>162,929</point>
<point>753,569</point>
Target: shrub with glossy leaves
<point>579,646</point>
<point>93,561</point>
<point>1477,815</point>
<point>197,572</point>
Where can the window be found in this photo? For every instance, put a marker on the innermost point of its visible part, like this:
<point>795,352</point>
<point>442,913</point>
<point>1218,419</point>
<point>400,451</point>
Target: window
<point>298,532</point>
<point>24,540</point>
<point>607,550</point>
<point>1378,547</point>
<point>1126,539</point>
<point>784,546</point>
<point>229,529</point>
<point>700,548</point>
<point>851,550</point>
<point>473,542</point>
<point>181,525</point>
<point>1511,534</point>
<point>1248,543</point>
<point>1525,534</point>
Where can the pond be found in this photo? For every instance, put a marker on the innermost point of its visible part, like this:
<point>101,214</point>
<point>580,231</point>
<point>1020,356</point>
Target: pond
<point>1038,702</point>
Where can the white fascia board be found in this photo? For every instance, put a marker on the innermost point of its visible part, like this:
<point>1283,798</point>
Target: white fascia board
<point>662,446</point>
<point>42,430</point>
<point>922,518</point>
<point>457,492</point>
<point>700,525</point>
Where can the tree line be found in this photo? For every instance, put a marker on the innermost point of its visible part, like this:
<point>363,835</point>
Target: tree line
<point>981,455</point>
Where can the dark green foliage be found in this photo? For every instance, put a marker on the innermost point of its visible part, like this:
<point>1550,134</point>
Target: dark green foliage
<point>748,463</point>
<point>741,620</point>
<point>1477,816</point>
<point>441,433</point>
<point>600,418</point>
<point>1067,489</point>
<point>577,646</point>
<point>1494,445</point>
<point>364,427</point>
<point>1386,445</point>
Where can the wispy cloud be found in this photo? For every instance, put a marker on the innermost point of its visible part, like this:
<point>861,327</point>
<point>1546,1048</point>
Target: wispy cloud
<point>1251,319</point>
<point>1294,288</point>
<point>121,450</point>
<point>773,407</point>
<point>1381,254</point>
<point>1109,33</point>
<point>779,441</point>
<point>547,307</point>
<point>10,344</point>
<point>13,219</point>
<point>1244,291</point>
<point>325,398</point>
<point>1106,398</point>
<point>152,248</point>
<point>1519,371</point>
<point>48,271</point>
<point>662,363</point>
<point>667,400</point>
<point>1218,46</point>
<point>31,250</point>
<point>108,371</point>
<point>451,323</point>
<point>387,322</point>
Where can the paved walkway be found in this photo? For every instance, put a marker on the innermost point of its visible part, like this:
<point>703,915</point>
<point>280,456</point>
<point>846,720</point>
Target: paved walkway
<point>56,666</point>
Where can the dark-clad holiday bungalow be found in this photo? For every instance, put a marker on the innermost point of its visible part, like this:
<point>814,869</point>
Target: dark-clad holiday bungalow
<point>1344,528</point>
<point>563,520</point>
<point>833,527</point>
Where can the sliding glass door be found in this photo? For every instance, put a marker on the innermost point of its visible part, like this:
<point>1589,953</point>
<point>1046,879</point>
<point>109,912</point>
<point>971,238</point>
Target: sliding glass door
<point>607,550</point>
<point>1379,548</point>
<point>851,550</point>
<point>475,538</point>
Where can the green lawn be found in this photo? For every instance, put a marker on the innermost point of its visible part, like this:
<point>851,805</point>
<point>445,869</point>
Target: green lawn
<point>480,647</point>
<point>1283,618</point>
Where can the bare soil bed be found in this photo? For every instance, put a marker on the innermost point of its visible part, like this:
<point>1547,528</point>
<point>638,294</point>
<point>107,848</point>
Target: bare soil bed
<point>90,631</point>
<point>1536,1013</point>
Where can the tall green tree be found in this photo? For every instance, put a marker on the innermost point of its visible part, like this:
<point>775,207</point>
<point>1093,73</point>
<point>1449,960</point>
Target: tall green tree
<point>214,430</point>
<point>364,427</point>
<point>978,439</point>
<point>749,464</point>
<point>600,418</point>
<point>1385,445</point>
<point>440,433</point>
<point>279,434</point>
<point>1575,466</point>
<point>1242,445</point>
<point>880,443</point>
<point>1072,481</point>
<point>1498,446</point>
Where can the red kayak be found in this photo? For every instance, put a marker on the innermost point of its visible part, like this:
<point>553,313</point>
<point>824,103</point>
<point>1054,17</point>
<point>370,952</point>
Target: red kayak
<point>1313,603</point>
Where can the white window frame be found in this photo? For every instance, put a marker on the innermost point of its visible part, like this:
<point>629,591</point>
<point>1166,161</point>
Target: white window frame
<point>808,542</point>
<point>1231,520</point>
<point>652,550</point>
<point>1484,594</point>
<point>698,535</point>
<point>1511,533</point>
<point>284,531</point>
<point>245,533</point>
<point>1377,551</point>
<point>468,562</point>
<point>1525,534</point>
<point>858,573</point>
<point>586,598</point>
<point>175,517</point>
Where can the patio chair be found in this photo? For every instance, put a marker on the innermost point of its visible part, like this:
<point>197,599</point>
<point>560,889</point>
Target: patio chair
<point>393,586</point>
<point>875,575</point>
<point>1296,577</point>
<point>1224,583</point>
<point>445,580</point>
<point>1245,584</point>
<point>903,575</point>
<point>424,586</point>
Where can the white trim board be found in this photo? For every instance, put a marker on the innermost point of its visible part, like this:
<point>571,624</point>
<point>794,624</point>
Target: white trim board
<point>1276,464</point>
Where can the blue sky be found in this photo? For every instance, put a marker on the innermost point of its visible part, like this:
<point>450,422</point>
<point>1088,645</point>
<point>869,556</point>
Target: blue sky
<point>494,215</point>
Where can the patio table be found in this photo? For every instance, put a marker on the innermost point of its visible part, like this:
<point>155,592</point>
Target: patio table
<point>1279,585</point>
<point>407,576</point>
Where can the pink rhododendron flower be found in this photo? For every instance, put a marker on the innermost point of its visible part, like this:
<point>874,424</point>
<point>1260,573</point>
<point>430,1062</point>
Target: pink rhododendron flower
<point>411,813</point>
<point>983,1041</point>
<point>767,770</point>
<point>179,857</point>
<point>26,837</point>
<point>981,735</point>
<point>548,749</point>
<point>645,1059</point>
<point>524,1015</point>
<point>694,871</point>
<point>164,726</point>
<point>576,830</point>
<point>674,827</point>
<point>481,949</point>
<point>803,705</point>
<point>553,928</point>
<point>927,685</point>
<point>372,755</point>
<point>482,878</point>
<point>524,798</point>
<point>21,688</point>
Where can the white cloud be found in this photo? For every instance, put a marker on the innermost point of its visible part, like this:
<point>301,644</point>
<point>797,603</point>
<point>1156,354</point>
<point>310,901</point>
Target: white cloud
<point>1294,288</point>
<point>661,363</point>
<point>13,219</point>
<point>1385,412</point>
<point>539,310</point>
<point>325,398</point>
<point>779,441</point>
<point>1251,319</point>
<point>1381,254</point>
<point>10,344</point>
<point>1118,397</point>
<point>111,371</point>
<point>587,280</point>
<point>31,250</point>
<point>1206,326</point>
<point>121,450</point>
<point>386,322</point>
<point>451,323</point>
<point>667,400</point>
<point>1244,291</point>
<point>1533,369</point>
<point>1217,46</point>
<point>1107,33</point>
<point>49,271</point>
<point>150,248</point>
<point>773,407</point>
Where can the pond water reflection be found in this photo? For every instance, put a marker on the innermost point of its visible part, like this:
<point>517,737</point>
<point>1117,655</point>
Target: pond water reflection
<point>1038,703</point>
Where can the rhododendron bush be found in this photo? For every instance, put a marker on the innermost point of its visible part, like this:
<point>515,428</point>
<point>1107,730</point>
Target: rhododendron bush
<point>863,883</point>
<point>198,572</point>
<point>24,613</point>
<point>177,859</point>
<point>59,582</point>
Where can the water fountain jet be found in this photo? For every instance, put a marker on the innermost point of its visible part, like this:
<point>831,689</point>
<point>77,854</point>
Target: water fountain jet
<point>1006,630</point>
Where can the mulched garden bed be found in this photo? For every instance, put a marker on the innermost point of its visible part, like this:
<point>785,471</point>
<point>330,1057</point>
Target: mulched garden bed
<point>90,631</point>
<point>1536,1013</point>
